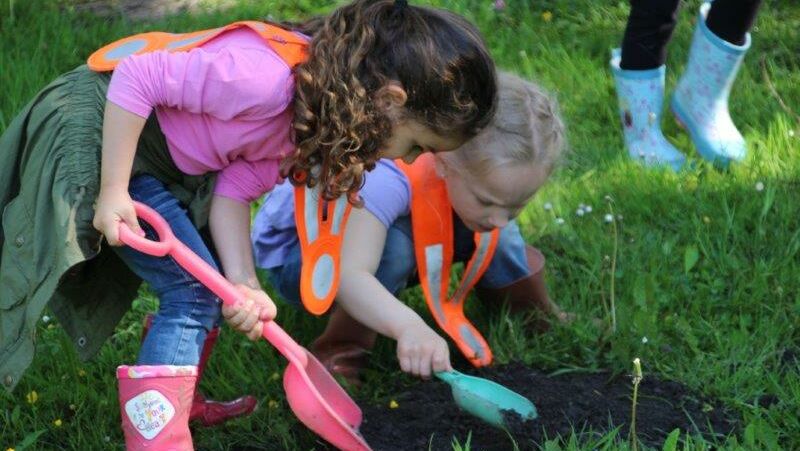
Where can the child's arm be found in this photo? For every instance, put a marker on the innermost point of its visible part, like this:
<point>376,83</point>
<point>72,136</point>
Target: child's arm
<point>229,221</point>
<point>121,130</point>
<point>420,350</point>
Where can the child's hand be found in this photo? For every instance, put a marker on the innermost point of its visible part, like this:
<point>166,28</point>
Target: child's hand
<point>114,205</point>
<point>249,316</point>
<point>422,351</point>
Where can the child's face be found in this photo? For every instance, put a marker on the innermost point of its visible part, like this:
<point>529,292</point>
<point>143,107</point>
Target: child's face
<point>410,139</point>
<point>494,199</point>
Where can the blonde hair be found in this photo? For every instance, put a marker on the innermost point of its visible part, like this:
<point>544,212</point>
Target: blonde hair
<point>526,129</point>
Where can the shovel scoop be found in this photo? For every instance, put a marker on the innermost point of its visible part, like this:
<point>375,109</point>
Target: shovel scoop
<point>313,394</point>
<point>487,400</point>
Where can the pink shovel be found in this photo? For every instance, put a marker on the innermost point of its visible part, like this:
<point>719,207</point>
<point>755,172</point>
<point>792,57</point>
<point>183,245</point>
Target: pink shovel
<point>313,394</point>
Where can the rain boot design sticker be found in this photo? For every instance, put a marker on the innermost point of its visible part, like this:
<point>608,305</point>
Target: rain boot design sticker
<point>149,412</point>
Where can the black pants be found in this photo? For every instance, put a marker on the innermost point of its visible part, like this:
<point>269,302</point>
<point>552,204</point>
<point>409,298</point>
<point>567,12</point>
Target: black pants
<point>651,23</point>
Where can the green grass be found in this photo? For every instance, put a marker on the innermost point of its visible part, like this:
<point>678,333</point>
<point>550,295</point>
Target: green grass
<point>706,267</point>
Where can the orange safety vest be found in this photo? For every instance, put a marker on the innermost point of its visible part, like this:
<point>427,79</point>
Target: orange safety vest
<point>432,228</point>
<point>292,48</point>
<point>320,229</point>
<point>321,226</point>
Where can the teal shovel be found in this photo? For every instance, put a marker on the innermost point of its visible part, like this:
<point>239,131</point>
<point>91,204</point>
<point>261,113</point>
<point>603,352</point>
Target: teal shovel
<point>487,400</point>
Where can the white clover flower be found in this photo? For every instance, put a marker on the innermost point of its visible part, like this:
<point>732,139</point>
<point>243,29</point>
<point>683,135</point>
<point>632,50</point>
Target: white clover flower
<point>608,198</point>
<point>579,212</point>
<point>759,186</point>
<point>587,208</point>
<point>608,218</point>
<point>791,133</point>
<point>644,340</point>
<point>547,206</point>
<point>560,221</point>
<point>45,319</point>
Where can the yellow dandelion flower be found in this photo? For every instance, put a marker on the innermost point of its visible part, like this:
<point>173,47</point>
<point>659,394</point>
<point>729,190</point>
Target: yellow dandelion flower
<point>706,219</point>
<point>81,372</point>
<point>275,376</point>
<point>32,397</point>
<point>393,404</point>
<point>9,449</point>
<point>547,16</point>
<point>272,404</point>
<point>57,423</point>
<point>51,326</point>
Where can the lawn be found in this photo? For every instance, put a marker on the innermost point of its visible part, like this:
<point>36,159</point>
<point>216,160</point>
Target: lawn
<point>701,267</point>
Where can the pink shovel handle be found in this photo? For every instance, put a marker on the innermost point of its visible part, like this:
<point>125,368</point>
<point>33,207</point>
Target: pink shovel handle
<point>207,275</point>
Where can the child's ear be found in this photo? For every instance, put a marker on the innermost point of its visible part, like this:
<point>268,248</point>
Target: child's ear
<point>391,96</point>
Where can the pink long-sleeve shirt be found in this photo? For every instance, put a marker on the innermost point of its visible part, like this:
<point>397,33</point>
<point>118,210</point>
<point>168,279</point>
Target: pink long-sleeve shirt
<point>223,107</point>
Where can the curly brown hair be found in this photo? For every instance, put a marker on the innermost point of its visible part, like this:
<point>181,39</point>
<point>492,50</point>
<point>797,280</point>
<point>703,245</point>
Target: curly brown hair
<point>439,59</point>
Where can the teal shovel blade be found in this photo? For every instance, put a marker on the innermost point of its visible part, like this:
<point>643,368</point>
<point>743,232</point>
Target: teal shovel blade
<point>487,400</point>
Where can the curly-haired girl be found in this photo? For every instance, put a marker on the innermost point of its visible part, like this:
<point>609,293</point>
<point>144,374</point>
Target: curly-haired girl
<point>197,130</point>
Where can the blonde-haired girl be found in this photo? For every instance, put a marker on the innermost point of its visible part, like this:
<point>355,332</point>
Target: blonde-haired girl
<point>489,180</point>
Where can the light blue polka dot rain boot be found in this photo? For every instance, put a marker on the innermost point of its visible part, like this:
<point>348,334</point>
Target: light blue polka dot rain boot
<point>641,96</point>
<point>700,101</point>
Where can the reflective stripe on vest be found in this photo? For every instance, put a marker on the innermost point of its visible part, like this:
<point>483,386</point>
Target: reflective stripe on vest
<point>292,48</point>
<point>320,229</point>
<point>432,228</point>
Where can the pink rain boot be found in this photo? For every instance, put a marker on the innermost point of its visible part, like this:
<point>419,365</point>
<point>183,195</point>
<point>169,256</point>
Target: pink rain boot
<point>155,402</point>
<point>207,411</point>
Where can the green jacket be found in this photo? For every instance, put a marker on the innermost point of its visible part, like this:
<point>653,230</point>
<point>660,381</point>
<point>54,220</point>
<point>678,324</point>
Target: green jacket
<point>49,252</point>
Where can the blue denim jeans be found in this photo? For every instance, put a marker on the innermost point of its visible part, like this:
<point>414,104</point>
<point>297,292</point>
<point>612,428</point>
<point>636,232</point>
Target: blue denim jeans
<point>187,309</point>
<point>398,265</point>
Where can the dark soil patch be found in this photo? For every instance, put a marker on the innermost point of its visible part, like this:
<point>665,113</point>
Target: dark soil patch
<point>590,403</point>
